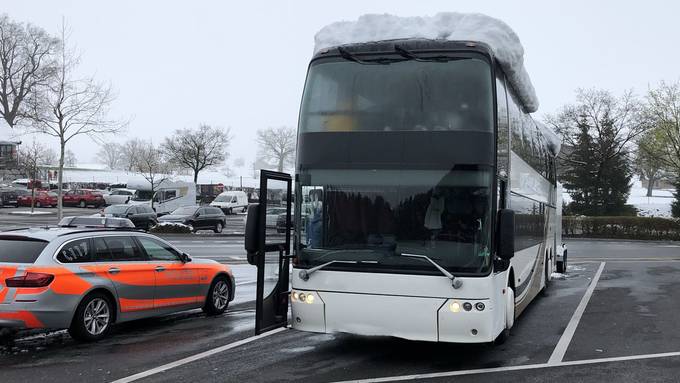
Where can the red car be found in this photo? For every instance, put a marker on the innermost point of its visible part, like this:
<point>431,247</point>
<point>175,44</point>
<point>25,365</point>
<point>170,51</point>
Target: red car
<point>42,199</point>
<point>83,198</point>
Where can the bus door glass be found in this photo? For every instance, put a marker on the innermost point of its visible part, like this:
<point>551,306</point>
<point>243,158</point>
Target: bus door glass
<point>273,258</point>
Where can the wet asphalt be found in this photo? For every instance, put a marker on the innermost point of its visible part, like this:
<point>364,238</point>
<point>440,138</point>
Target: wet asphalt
<point>633,311</point>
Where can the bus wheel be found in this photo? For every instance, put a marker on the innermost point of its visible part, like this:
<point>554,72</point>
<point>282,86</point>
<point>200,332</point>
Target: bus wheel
<point>562,265</point>
<point>509,317</point>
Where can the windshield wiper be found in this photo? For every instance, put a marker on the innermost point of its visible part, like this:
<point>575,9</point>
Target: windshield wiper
<point>456,283</point>
<point>412,56</point>
<point>351,57</point>
<point>304,274</point>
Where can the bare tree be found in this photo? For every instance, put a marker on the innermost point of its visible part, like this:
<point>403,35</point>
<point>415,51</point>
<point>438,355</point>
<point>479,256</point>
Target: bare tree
<point>70,106</point>
<point>70,158</point>
<point>130,149</point>
<point>615,122</point>
<point>198,149</point>
<point>149,161</point>
<point>50,157</point>
<point>663,111</point>
<point>26,62</point>
<point>277,145</point>
<point>110,154</point>
<point>30,158</point>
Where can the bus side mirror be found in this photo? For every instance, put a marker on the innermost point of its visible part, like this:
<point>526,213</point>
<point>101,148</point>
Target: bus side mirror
<point>506,234</point>
<point>252,233</point>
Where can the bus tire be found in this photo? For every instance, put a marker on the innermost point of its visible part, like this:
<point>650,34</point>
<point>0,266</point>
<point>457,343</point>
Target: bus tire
<point>509,317</point>
<point>562,265</point>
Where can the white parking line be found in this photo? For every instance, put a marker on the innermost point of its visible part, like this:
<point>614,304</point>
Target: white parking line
<point>196,357</point>
<point>563,343</point>
<point>513,368</point>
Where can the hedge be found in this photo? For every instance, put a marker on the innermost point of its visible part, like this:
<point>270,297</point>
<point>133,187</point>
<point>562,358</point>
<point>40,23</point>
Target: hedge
<point>644,228</point>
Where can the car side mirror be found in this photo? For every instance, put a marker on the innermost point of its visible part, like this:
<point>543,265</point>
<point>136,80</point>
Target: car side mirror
<point>185,258</point>
<point>197,215</point>
<point>506,234</point>
<point>252,233</point>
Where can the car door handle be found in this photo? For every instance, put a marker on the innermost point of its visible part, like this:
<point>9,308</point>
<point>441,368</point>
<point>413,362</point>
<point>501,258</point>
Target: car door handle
<point>114,270</point>
<point>160,268</point>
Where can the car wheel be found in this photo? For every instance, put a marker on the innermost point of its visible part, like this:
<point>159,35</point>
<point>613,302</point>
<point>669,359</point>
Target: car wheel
<point>81,204</point>
<point>218,227</point>
<point>93,318</point>
<point>218,296</point>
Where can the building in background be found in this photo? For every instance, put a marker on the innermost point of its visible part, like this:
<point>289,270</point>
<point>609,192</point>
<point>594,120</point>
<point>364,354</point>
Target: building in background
<point>9,158</point>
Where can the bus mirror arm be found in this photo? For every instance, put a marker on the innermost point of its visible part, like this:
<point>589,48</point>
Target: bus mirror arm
<point>456,283</point>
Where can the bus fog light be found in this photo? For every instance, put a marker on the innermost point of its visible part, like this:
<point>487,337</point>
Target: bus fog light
<point>454,307</point>
<point>479,306</point>
<point>467,306</point>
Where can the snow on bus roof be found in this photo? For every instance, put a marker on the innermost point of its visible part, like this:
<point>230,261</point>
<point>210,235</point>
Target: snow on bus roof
<point>452,26</point>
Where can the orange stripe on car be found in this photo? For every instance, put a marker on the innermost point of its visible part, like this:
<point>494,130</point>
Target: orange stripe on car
<point>168,302</point>
<point>65,281</point>
<point>30,321</point>
<point>127,305</point>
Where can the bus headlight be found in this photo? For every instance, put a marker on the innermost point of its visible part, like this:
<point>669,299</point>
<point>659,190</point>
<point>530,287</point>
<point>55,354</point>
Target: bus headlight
<point>454,307</point>
<point>302,297</point>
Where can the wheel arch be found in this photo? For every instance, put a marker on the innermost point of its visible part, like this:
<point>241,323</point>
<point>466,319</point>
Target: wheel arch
<point>109,294</point>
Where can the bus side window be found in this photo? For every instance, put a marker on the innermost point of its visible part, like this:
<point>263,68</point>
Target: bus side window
<point>503,143</point>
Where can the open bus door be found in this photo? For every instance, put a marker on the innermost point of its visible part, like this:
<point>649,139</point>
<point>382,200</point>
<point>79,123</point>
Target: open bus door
<point>269,249</point>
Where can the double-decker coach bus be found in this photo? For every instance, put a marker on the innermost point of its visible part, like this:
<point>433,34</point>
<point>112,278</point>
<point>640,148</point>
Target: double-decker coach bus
<point>426,202</point>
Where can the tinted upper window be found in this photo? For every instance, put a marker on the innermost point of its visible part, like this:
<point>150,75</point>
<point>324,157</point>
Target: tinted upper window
<point>20,250</point>
<point>75,251</point>
<point>407,95</point>
<point>157,250</point>
<point>123,249</point>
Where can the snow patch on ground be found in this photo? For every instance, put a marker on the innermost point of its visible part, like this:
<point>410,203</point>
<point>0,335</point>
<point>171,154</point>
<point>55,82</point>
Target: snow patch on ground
<point>558,276</point>
<point>503,41</point>
<point>28,212</point>
<point>299,349</point>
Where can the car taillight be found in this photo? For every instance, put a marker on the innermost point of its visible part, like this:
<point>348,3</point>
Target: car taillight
<point>30,280</point>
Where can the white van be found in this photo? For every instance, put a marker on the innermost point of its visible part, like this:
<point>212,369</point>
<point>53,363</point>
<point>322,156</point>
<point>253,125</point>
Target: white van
<point>231,201</point>
<point>167,196</point>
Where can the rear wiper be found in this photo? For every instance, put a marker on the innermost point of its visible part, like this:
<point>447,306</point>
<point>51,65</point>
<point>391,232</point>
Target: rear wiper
<point>456,283</point>
<point>304,274</point>
<point>351,57</point>
<point>412,56</point>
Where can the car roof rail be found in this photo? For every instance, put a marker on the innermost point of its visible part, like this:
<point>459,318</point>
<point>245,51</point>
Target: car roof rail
<point>93,229</point>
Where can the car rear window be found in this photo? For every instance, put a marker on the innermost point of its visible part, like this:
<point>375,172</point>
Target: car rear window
<point>20,250</point>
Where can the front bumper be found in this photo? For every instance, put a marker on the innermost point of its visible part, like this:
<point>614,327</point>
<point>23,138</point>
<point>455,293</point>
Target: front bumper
<point>414,318</point>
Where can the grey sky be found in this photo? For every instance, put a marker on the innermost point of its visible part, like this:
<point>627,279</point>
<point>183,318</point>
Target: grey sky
<point>175,64</point>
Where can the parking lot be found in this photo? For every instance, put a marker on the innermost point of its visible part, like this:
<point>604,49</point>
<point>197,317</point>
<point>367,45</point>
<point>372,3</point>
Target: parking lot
<point>613,317</point>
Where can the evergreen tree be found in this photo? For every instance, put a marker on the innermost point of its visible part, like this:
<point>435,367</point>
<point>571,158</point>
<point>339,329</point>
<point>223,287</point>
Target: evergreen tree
<point>675,206</point>
<point>578,177</point>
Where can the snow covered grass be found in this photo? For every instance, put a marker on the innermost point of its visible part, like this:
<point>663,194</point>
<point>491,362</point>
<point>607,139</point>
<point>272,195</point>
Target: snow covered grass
<point>659,205</point>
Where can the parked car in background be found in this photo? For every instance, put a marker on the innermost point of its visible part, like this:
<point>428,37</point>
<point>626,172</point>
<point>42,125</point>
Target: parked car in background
<point>88,279</point>
<point>142,216</point>
<point>119,196</point>
<point>8,197</point>
<point>231,202</point>
<point>83,198</point>
<point>199,218</point>
<point>273,215</point>
<point>42,199</point>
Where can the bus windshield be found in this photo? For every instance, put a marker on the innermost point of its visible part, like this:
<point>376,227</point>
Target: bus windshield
<point>410,95</point>
<point>375,216</point>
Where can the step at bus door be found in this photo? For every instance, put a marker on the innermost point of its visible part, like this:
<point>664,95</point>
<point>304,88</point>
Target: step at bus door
<point>268,238</point>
